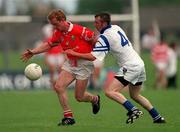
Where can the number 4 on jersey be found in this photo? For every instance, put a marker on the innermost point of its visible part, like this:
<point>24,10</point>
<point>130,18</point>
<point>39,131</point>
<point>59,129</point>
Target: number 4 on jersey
<point>124,40</point>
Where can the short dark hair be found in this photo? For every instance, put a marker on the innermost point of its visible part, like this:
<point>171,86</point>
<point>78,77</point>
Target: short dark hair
<point>106,17</point>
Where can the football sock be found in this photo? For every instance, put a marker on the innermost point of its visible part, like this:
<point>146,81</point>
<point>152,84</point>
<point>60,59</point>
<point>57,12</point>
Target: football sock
<point>94,99</point>
<point>129,106</point>
<point>68,114</point>
<point>155,115</point>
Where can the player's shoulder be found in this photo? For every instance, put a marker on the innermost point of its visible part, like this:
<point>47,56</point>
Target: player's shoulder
<point>77,26</point>
<point>115,26</point>
<point>80,27</point>
<point>110,31</point>
<point>56,32</point>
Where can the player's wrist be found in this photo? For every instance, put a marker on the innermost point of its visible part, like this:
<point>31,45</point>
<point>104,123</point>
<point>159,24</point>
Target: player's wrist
<point>30,51</point>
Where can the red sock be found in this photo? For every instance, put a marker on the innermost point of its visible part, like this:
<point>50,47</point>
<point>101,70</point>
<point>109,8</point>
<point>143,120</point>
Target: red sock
<point>68,114</point>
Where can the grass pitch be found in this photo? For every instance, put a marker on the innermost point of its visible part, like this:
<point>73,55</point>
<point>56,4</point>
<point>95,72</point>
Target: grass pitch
<point>39,111</point>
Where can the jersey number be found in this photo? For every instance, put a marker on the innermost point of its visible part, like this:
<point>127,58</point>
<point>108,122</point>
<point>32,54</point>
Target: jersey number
<point>124,40</point>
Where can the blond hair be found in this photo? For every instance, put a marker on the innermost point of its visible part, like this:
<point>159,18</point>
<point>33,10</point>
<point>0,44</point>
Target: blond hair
<point>58,14</point>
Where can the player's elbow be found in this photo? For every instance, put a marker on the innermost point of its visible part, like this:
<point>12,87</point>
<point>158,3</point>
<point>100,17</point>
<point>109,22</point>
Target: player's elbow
<point>92,58</point>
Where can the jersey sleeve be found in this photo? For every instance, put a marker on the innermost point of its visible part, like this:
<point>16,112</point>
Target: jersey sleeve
<point>87,34</point>
<point>55,39</point>
<point>101,48</point>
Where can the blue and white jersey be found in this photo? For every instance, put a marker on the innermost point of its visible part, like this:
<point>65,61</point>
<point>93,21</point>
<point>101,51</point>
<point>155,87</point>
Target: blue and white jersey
<point>113,39</point>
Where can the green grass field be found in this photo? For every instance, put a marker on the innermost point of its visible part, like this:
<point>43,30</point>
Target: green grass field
<point>38,111</point>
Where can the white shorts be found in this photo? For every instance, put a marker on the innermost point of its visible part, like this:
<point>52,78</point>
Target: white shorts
<point>132,73</point>
<point>161,65</point>
<point>56,59</point>
<point>81,71</point>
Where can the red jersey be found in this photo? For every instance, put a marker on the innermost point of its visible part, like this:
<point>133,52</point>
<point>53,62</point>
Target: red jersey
<point>77,38</point>
<point>55,50</point>
<point>160,53</point>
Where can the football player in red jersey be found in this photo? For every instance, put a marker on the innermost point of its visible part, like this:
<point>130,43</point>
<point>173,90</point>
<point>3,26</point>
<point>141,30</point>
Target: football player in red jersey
<point>80,39</point>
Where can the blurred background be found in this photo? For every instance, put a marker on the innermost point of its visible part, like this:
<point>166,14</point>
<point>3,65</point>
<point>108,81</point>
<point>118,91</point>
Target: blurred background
<point>22,21</point>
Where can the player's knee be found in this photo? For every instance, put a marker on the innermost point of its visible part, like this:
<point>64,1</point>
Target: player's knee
<point>79,98</point>
<point>58,88</point>
<point>107,93</point>
<point>134,96</point>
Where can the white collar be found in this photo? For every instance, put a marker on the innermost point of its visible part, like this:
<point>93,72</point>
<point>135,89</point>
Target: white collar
<point>70,27</point>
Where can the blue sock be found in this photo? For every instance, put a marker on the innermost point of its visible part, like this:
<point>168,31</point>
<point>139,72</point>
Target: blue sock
<point>155,115</point>
<point>129,106</point>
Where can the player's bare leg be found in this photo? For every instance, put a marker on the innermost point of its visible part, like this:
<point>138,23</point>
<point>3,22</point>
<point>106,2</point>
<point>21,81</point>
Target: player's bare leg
<point>113,92</point>
<point>82,95</point>
<point>161,81</point>
<point>144,102</point>
<point>65,78</point>
<point>80,91</point>
<point>134,92</point>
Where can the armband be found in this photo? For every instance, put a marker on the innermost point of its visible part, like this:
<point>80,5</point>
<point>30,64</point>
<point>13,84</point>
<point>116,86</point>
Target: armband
<point>53,44</point>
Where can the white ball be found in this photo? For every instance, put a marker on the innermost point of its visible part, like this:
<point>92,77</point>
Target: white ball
<point>33,71</point>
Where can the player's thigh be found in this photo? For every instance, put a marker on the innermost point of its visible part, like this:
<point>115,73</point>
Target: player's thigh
<point>80,87</point>
<point>65,78</point>
<point>115,85</point>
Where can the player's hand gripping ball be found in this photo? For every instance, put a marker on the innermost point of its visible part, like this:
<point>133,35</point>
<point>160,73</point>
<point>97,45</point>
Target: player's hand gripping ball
<point>33,71</point>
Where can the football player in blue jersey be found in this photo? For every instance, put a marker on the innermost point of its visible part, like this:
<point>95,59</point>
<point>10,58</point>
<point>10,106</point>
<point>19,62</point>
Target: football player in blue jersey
<point>131,67</point>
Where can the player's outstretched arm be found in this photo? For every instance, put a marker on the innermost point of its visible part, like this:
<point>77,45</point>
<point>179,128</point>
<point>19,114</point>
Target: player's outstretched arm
<point>27,54</point>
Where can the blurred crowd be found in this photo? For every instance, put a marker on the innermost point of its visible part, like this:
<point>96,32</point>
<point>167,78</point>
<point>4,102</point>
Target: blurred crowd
<point>164,56</point>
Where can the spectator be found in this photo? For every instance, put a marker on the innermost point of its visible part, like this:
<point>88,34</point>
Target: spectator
<point>54,58</point>
<point>159,56</point>
<point>172,66</point>
<point>149,40</point>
